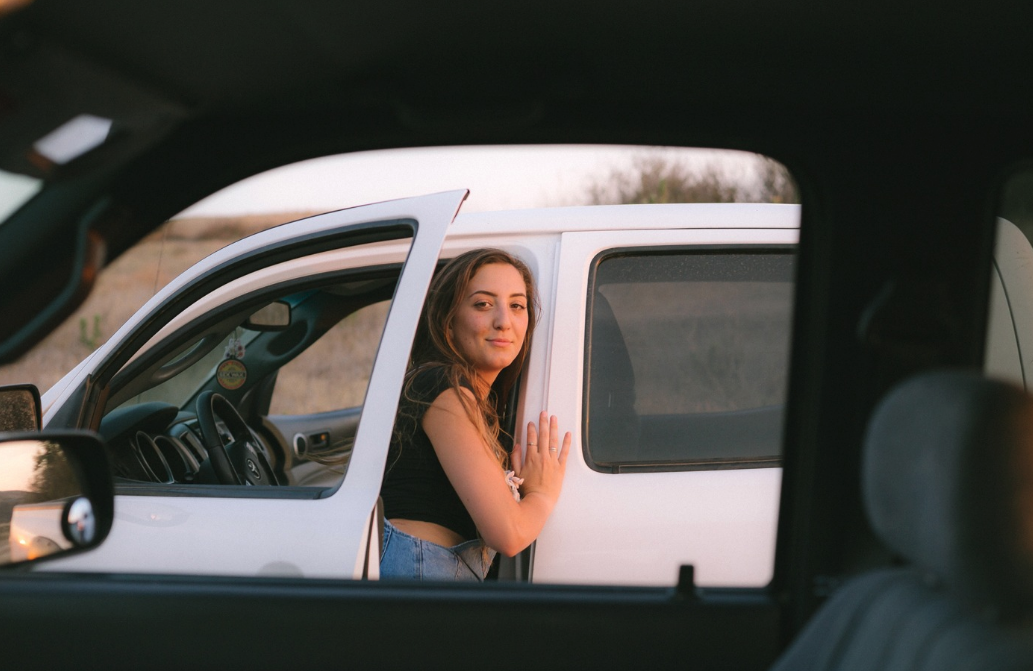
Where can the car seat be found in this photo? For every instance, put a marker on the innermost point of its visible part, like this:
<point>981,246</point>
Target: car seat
<point>948,485</point>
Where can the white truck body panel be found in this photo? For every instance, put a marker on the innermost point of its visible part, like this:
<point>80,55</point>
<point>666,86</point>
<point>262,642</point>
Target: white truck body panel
<point>638,528</point>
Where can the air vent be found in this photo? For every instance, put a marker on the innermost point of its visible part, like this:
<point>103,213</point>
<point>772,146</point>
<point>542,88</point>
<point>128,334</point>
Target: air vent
<point>300,446</point>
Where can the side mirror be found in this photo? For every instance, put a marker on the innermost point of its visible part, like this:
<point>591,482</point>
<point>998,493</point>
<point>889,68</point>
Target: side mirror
<point>56,495</point>
<point>20,408</point>
<point>274,317</point>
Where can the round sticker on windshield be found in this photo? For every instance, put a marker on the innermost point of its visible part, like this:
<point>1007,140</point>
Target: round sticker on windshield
<point>231,374</point>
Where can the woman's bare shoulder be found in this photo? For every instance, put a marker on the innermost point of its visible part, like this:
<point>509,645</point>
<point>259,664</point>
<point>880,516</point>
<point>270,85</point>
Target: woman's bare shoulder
<point>450,400</point>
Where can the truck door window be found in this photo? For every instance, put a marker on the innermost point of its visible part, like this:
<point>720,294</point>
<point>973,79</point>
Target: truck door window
<point>687,359</point>
<point>334,372</point>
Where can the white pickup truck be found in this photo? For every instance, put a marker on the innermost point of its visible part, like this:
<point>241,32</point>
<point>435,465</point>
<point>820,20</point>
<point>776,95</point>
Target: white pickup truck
<point>663,346</point>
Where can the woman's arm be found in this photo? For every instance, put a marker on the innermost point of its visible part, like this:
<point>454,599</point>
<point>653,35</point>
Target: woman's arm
<point>506,525</point>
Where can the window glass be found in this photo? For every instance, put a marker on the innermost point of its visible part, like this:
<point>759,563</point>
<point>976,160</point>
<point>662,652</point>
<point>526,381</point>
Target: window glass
<point>688,357</point>
<point>333,373</point>
<point>206,353</point>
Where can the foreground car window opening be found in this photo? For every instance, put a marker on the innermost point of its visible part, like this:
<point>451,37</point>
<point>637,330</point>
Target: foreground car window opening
<point>299,390</point>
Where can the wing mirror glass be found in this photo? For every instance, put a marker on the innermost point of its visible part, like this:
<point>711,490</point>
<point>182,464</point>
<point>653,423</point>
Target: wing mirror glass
<point>56,495</point>
<point>274,317</point>
<point>20,408</point>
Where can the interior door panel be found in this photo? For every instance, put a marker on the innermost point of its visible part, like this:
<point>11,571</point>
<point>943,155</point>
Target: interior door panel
<point>311,438</point>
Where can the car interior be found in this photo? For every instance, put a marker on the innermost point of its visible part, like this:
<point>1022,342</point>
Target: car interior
<point>904,529</point>
<point>170,414</point>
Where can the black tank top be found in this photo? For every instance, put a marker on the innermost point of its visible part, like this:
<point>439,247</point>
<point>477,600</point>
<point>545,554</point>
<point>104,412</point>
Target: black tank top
<point>415,486</point>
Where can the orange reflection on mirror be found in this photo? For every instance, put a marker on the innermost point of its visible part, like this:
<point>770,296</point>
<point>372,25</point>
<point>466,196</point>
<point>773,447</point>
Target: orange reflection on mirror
<point>36,485</point>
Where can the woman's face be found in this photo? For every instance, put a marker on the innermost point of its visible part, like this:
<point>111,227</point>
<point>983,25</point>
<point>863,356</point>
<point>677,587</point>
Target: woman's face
<point>491,322</point>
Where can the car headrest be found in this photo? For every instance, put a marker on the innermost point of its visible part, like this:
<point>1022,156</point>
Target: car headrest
<point>948,483</point>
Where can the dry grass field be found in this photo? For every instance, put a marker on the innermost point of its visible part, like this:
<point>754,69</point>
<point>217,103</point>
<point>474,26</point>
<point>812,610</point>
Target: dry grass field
<point>124,286</point>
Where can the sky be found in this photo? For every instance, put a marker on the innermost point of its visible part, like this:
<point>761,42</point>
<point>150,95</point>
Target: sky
<point>17,465</point>
<point>498,177</point>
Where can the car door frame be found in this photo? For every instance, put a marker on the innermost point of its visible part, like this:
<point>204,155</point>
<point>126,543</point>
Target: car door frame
<point>342,517</point>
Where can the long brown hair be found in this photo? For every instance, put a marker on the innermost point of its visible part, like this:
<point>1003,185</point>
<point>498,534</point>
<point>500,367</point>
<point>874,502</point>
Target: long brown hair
<point>435,346</point>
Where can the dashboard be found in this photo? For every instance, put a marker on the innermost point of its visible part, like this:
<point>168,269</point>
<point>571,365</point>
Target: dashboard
<point>158,443</point>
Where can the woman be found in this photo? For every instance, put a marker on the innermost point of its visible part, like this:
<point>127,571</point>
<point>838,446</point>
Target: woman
<point>450,501</point>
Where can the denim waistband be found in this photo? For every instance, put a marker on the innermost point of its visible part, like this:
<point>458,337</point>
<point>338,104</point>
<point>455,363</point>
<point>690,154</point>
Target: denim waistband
<point>406,556</point>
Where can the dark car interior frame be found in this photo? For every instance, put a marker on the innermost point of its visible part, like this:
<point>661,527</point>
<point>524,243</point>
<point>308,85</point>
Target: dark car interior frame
<point>899,125</point>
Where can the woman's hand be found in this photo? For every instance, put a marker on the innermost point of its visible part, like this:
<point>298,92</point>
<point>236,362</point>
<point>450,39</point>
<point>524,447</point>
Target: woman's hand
<point>543,462</point>
<point>504,524</point>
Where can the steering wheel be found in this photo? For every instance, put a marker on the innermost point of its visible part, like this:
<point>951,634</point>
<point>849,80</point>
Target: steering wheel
<point>239,461</point>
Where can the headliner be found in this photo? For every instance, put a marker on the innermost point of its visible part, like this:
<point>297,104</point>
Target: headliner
<point>233,54</point>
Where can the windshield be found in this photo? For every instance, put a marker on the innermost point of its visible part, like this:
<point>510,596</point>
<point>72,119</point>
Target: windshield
<point>199,361</point>
<point>15,191</point>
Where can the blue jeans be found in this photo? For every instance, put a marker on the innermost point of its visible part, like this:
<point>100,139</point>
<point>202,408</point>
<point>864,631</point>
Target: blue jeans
<point>409,557</point>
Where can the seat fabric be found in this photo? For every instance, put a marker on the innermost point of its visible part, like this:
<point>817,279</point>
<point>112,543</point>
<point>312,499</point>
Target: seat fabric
<point>895,620</point>
<point>948,486</point>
